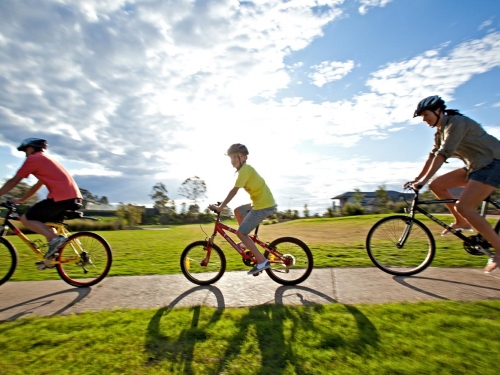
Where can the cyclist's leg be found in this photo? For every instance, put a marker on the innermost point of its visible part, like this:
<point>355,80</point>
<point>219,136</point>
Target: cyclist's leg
<point>36,216</point>
<point>241,212</point>
<point>440,187</point>
<point>480,185</point>
<point>248,224</point>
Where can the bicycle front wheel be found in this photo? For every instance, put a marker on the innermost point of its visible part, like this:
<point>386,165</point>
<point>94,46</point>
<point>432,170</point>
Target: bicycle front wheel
<point>8,260</point>
<point>84,260</point>
<point>400,245</point>
<point>293,262</point>
<point>198,267</point>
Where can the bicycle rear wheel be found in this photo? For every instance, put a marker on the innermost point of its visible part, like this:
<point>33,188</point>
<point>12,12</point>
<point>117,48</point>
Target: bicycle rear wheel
<point>399,257</point>
<point>85,259</point>
<point>197,268</point>
<point>8,260</point>
<point>295,263</point>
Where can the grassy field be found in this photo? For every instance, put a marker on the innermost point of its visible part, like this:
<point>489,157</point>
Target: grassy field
<point>424,338</point>
<point>336,242</point>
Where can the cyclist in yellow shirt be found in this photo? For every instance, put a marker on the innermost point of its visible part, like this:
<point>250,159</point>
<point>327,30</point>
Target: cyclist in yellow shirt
<point>249,216</point>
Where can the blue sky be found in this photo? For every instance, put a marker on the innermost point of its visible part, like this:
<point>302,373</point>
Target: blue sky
<point>131,93</point>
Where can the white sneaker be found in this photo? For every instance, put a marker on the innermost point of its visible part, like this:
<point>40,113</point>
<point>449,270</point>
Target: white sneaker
<point>260,267</point>
<point>55,245</point>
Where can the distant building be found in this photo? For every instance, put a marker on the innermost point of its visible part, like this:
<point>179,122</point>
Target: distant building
<point>99,210</point>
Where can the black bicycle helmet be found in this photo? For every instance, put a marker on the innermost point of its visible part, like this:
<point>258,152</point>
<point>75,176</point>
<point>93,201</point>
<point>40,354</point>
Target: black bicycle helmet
<point>36,143</point>
<point>432,103</point>
<point>237,148</point>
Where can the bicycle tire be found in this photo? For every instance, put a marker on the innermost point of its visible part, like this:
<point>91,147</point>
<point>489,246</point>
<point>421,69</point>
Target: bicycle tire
<point>8,260</point>
<point>97,259</point>
<point>191,263</point>
<point>302,265</point>
<point>414,257</point>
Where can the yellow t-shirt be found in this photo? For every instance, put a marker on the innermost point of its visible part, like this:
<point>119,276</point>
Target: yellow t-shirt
<point>255,185</point>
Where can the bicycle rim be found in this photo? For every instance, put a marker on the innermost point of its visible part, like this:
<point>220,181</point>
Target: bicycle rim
<point>84,260</point>
<point>195,267</point>
<point>294,263</point>
<point>8,260</point>
<point>414,256</point>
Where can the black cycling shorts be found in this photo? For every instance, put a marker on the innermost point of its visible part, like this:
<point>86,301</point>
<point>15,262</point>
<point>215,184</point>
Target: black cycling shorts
<point>50,211</point>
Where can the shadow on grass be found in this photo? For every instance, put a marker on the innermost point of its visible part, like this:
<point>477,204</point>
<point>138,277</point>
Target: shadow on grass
<point>30,306</point>
<point>273,332</point>
<point>160,346</point>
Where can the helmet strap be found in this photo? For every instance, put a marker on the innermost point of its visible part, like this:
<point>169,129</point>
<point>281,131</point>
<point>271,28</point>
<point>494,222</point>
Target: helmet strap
<point>438,116</point>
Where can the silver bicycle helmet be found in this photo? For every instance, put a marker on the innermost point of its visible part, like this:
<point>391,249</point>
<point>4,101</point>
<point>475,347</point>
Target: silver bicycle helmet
<point>237,148</point>
<point>36,143</point>
<point>431,103</point>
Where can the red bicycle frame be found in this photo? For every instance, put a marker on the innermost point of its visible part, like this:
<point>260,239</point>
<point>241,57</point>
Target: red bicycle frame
<point>220,228</point>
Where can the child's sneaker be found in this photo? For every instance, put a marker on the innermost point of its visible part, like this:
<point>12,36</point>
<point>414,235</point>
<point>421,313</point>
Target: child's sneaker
<point>260,267</point>
<point>55,245</point>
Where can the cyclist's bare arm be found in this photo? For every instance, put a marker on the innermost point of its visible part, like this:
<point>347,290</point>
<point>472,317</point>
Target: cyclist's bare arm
<point>230,196</point>
<point>9,185</point>
<point>32,191</point>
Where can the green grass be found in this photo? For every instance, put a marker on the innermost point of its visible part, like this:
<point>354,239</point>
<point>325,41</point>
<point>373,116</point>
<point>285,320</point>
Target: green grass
<point>424,338</point>
<point>336,242</point>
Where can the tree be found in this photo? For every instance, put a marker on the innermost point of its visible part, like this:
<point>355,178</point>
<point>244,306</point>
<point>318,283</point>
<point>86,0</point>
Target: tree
<point>306,211</point>
<point>129,213</point>
<point>226,212</point>
<point>103,200</point>
<point>160,197</point>
<point>382,197</point>
<point>357,197</point>
<point>20,190</point>
<point>193,188</point>
<point>88,197</point>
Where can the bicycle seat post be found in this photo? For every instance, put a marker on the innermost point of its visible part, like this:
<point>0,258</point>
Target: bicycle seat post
<point>484,208</point>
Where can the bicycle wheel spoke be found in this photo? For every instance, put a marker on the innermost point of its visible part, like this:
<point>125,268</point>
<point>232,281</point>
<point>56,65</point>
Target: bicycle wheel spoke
<point>294,263</point>
<point>200,270</point>
<point>397,255</point>
<point>8,260</point>
<point>84,260</point>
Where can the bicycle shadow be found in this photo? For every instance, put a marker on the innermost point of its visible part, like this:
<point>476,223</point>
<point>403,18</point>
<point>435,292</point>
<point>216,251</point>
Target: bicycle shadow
<point>402,281</point>
<point>39,302</point>
<point>368,334</point>
<point>160,346</point>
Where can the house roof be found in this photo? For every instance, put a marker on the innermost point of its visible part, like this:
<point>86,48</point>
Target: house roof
<point>393,195</point>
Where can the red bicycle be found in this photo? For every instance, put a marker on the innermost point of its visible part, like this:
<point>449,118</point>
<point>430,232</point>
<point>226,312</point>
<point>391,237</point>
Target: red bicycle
<point>204,263</point>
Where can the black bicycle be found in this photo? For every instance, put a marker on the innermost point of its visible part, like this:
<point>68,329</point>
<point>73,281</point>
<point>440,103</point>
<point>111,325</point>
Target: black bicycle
<point>402,245</point>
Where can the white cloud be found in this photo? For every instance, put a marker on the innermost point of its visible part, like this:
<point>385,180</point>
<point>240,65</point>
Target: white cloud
<point>485,24</point>
<point>329,71</point>
<point>150,91</point>
<point>366,4</point>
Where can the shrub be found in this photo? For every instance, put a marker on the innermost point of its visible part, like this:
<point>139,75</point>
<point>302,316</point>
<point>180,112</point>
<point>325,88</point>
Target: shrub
<point>352,209</point>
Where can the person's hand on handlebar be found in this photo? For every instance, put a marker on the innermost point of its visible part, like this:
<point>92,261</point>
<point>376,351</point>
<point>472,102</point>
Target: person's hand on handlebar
<point>215,208</point>
<point>416,184</point>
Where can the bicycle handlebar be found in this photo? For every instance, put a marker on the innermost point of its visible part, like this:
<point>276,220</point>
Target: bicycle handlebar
<point>8,204</point>
<point>409,186</point>
<point>211,209</point>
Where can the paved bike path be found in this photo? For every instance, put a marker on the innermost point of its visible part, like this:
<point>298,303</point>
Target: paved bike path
<point>236,289</point>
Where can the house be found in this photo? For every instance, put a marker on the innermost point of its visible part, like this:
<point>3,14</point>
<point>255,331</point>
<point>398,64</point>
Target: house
<point>369,201</point>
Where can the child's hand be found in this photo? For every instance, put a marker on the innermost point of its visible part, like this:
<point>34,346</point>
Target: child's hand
<point>215,208</point>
